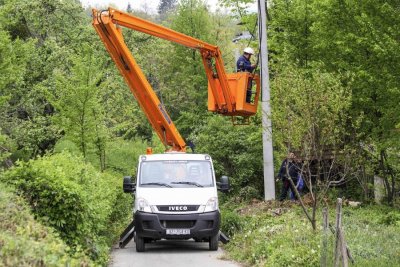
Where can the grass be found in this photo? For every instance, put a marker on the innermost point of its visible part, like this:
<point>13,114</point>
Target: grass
<point>271,234</point>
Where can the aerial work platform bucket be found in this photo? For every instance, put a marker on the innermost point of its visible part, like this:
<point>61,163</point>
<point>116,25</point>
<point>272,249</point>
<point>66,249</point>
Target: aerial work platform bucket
<point>245,88</point>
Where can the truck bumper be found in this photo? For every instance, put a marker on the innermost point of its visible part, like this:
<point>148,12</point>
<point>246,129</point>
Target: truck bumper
<point>154,226</point>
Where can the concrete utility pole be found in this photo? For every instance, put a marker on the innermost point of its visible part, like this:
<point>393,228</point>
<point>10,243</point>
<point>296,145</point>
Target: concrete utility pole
<point>269,180</point>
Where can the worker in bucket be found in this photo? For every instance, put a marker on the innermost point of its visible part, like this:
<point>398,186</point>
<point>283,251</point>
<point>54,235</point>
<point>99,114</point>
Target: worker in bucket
<point>243,63</point>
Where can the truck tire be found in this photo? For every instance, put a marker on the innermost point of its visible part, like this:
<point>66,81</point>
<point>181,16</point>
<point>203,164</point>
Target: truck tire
<point>139,244</point>
<point>213,242</point>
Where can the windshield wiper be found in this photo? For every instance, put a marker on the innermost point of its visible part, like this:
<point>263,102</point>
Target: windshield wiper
<point>190,183</point>
<point>160,184</point>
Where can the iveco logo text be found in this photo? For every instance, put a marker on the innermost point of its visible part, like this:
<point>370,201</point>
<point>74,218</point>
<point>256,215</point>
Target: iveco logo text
<point>175,208</point>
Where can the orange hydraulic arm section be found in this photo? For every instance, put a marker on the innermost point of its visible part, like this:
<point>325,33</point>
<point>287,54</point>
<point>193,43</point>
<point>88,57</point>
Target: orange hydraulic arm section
<point>227,92</point>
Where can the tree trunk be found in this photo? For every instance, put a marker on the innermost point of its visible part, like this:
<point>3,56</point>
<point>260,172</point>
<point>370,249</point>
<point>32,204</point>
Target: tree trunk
<point>385,177</point>
<point>379,188</point>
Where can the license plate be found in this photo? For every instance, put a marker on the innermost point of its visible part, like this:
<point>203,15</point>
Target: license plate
<point>178,231</point>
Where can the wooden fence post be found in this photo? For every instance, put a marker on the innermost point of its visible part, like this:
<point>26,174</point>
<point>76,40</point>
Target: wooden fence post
<point>325,237</point>
<point>343,248</point>
<point>337,233</point>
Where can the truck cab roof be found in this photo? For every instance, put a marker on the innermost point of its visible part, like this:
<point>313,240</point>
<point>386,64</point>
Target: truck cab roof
<point>174,156</point>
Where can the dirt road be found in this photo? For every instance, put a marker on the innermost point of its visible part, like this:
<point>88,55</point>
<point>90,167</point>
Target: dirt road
<point>170,253</point>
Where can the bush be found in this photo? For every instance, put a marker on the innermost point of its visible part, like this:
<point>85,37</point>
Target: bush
<point>69,195</point>
<point>392,218</point>
<point>26,242</point>
<point>121,155</point>
<point>231,222</point>
<point>248,193</point>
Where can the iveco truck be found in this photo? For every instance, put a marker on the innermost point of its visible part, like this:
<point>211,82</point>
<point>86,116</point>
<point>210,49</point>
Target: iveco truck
<point>176,198</point>
<point>175,192</point>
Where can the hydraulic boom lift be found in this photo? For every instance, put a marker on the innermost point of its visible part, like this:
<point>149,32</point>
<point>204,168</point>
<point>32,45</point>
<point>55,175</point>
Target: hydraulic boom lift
<point>226,92</point>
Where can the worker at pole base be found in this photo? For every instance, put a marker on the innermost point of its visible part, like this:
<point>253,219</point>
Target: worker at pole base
<point>290,167</point>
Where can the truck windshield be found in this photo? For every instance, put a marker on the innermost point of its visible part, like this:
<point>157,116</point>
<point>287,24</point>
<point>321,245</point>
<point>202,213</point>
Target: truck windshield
<point>190,173</point>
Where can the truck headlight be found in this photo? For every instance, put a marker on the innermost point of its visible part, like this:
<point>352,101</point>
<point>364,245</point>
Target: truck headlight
<point>143,205</point>
<point>212,205</point>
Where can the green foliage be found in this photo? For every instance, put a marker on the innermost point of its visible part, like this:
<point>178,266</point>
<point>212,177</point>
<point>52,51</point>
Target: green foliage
<point>235,151</point>
<point>26,242</point>
<point>392,218</point>
<point>77,101</point>
<point>36,28</point>
<point>248,193</point>
<point>359,39</point>
<point>266,239</point>
<point>6,146</point>
<point>72,197</point>
<point>365,43</point>
<point>290,36</point>
<point>309,110</point>
<point>371,235</point>
<point>232,222</point>
<point>30,134</point>
<point>187,81</point>
<point>67,146</point>
<point>11,65</point>
<point>122,156</point>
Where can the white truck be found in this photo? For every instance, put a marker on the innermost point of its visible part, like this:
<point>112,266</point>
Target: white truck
<point>176,198</point>
<point>175,192</point>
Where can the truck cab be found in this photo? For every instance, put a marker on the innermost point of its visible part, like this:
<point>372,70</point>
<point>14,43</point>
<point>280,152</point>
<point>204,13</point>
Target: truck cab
<point>176,198</point>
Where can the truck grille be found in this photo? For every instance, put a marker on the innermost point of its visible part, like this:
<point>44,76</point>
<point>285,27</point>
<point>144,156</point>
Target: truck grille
<point>178,208</point>
<point>178,224</point>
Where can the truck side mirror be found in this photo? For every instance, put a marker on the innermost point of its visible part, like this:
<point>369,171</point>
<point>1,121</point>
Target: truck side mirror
<point>223,185</point>
<point>128,186</point>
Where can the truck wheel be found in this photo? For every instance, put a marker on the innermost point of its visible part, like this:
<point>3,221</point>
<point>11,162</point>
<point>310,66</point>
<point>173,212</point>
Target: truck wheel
<point>139,244</point>
<point>213,242</point>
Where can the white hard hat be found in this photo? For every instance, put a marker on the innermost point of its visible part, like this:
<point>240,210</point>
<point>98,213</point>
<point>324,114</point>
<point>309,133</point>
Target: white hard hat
<point>249,50</point>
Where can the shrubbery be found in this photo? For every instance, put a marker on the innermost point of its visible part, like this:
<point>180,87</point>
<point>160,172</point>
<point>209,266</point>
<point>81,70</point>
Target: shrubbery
<point>26,242</point>
<point>231,222</point>
<point>69,195</point>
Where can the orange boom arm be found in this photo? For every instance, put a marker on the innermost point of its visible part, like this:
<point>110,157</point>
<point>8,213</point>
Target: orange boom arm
<point>227,92</point>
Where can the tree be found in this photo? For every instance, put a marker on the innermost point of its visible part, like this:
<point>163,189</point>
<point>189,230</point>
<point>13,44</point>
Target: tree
<point>77,99</point>
<point>129,8</point>
<point>359,39</point>
<point>186,80</point>
<point>309,119</point>
<point>166,6</point>
<point>43,34</point>
<point>363,38</point>
<point>289,31</point>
